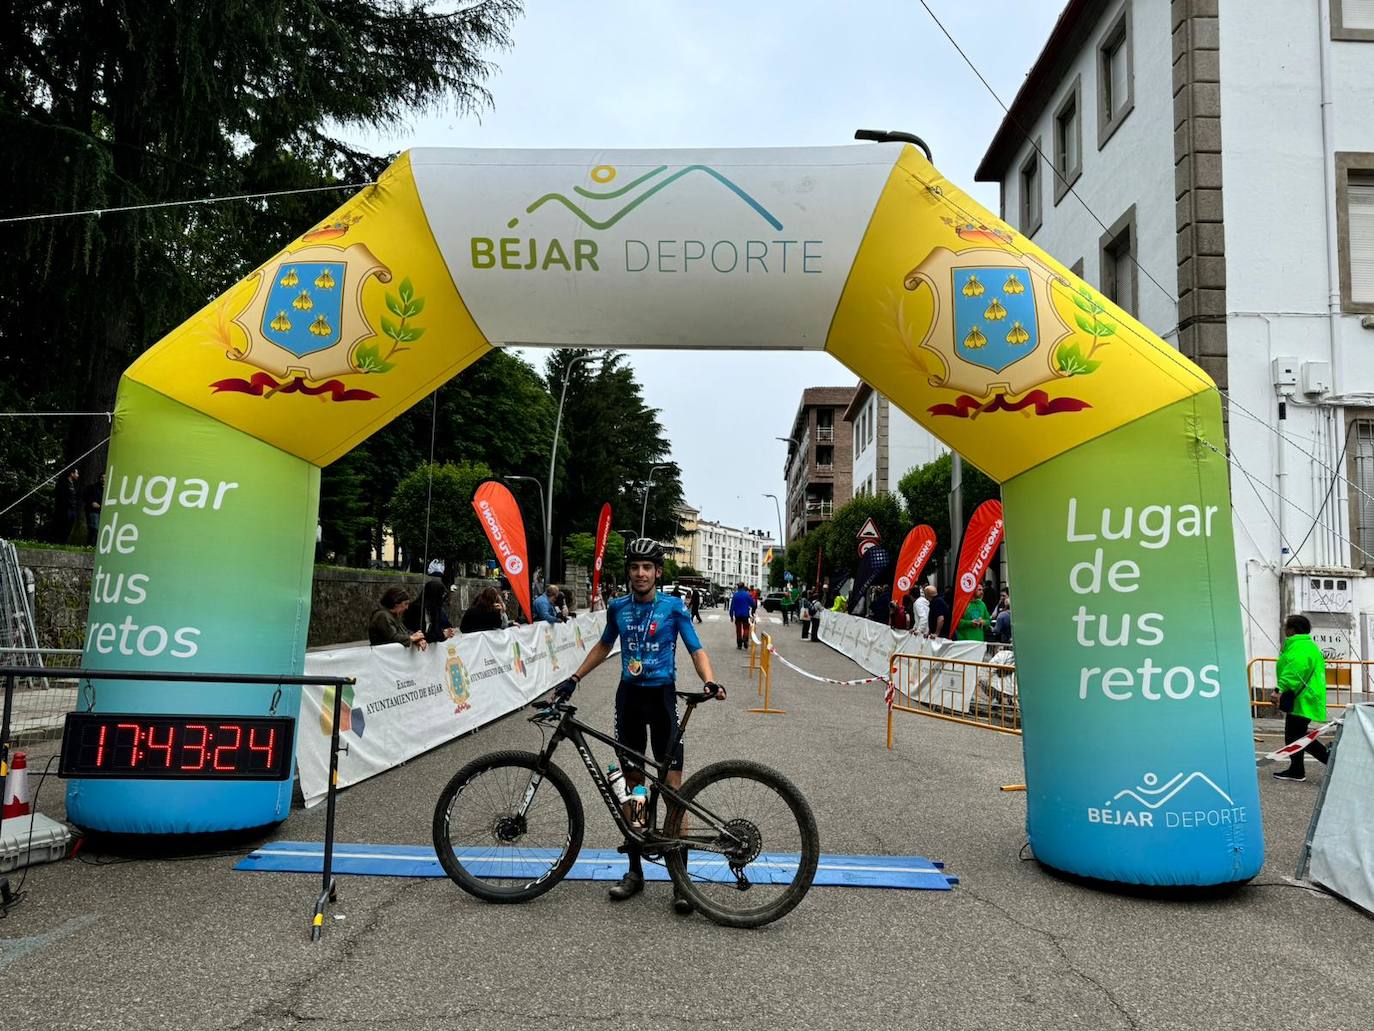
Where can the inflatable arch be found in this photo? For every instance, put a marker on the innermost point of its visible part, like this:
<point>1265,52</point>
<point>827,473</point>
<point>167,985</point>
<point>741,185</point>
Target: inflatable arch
<point>1108,443</point>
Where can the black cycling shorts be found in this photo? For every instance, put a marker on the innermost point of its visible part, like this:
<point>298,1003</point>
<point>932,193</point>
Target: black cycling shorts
<point>644,714</point>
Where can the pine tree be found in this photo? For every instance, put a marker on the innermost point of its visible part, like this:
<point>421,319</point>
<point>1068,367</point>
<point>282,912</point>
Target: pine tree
<point>107,103</point>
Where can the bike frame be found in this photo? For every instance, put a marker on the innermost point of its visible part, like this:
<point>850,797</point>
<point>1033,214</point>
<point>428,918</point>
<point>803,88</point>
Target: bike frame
<point>574,730</point>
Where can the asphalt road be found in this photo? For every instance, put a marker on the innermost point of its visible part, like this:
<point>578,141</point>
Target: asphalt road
<point>190,944</point>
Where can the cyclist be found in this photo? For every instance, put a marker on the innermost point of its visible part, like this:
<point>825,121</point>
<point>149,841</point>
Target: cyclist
<point>648,625</point>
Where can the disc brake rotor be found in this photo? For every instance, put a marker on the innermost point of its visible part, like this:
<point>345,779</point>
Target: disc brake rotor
<point>509,828</point>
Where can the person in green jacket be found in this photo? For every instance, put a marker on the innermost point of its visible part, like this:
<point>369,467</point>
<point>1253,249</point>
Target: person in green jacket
<point>841,604</point>
<point>1301,672</point>
<point>972,622</point>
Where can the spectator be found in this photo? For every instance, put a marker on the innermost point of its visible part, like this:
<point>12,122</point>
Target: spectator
<point>941,608</point>
<point>696,604</point>
<point>898,615</point>
<point>741,607</point>
<point>990,597</point>
<point>1002,623</point>
<point>921,611</point>
<point>429,616</point>
<point>66,506</point>
<point>544,605</point>
<point>1301,694</point>
<point>973,623</point>
<point>880,601</point>
<point>387,625</point>
<point>487,612</point>
<point>560,606</point>
<point>1003,602</point>
<point>841,603</point>
<point>91,500</point>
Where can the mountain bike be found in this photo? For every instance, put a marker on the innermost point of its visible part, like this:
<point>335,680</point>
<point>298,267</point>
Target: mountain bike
<point>738,839</point>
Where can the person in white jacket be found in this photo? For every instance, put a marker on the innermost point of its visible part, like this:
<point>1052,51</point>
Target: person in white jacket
<point>922,624</point>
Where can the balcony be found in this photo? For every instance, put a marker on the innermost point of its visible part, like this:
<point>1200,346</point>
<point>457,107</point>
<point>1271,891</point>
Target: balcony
<point>825,467</point>
<point>825,434</point>
<point>819,509</point>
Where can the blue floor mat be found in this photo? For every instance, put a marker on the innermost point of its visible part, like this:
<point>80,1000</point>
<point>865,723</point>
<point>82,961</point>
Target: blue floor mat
<point>593,864</point>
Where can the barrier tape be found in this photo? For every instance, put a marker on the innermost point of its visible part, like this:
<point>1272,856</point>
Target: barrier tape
<point>1293,748</point>
<point>814,676</point>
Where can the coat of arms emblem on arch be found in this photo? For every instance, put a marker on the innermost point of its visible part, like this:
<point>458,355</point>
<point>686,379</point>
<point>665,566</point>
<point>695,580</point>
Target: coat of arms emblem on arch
<point>996,333</point>
<point>307,314</point>
<point>306,324</point>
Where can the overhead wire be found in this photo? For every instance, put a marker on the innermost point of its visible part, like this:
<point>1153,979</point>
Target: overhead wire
<point>20,501</point>
<point>228,198</point>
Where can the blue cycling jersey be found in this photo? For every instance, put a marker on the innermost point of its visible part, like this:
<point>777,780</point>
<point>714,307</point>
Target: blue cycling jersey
<point>648,633</point>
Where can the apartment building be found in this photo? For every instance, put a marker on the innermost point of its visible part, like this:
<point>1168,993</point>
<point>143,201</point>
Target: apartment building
<point>887,443</point>
<point>1209,164</point>
<point>820,455</point>
<point>724,554</point>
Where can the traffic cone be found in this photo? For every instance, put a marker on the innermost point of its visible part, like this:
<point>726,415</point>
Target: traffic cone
<point>17,788</point>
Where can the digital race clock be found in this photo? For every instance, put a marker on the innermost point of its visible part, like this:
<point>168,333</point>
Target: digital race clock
<point>143,746</point>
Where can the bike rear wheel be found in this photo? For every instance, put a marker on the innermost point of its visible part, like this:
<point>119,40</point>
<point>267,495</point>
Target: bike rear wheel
<point>769,831</point>
<point>488,846</point>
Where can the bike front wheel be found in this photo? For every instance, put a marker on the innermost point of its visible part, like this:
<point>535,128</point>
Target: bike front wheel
<point>502,837</point>
<point>757,838</point>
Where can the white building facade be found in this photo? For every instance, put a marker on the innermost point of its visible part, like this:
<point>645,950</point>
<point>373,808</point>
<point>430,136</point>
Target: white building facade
<point>1223,151</point>
<point>724,554</point>
<point>887,442</point>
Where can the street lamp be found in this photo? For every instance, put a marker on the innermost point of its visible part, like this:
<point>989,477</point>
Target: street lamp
<point>778,510</point>
<point>546,513</point>
<point>648,486</point>
<point>553,459</point>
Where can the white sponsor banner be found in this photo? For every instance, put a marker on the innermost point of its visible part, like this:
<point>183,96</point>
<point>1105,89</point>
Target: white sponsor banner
<point>871,644</point>
<point>673,248</point>
<point>406,701</point>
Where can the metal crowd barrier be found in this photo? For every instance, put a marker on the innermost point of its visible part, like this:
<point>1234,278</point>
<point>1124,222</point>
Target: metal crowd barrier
<point>1348,682</point>
<point>975,694</point>
<point>765,667</point>
<point>14,675</point>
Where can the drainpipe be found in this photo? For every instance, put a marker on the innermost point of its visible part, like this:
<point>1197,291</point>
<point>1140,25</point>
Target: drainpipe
<point>1333,281</point>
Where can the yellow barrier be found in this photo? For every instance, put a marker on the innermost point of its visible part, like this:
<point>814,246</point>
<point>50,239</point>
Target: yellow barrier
<point>766,675</point>
<point>1345,678</point>
<point>976,694</point>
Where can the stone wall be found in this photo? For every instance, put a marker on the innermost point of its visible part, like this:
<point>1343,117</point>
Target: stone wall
<point>341,604</point>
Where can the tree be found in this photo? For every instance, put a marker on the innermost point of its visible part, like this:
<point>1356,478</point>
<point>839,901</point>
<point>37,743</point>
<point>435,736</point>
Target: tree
<point>926,492</point>
<point>580,550</point>
<point>495,411</point>
<point>436,518</point>
<point>842,543</point>
<point>610,442</point>
<point>109,104</point>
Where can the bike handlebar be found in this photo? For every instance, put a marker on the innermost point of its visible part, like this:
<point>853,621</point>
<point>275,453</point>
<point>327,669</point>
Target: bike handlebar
<point>690,697</point>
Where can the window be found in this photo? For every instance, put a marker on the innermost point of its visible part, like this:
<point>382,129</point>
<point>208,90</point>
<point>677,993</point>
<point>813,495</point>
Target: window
<point>1068,141</point>
<point>1030,191</point>
<point>1362,476</point>
<point>1119,269</point>
<point>1355,229</point>
<point>1352,19</point>
<point>1115,77</point>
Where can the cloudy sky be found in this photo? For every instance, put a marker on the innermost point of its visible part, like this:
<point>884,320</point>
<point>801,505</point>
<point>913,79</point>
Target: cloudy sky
<point>759,74</point>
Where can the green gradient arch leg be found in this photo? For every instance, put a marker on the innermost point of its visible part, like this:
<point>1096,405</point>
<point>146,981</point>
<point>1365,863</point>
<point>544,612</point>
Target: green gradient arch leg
<point>204,563</point>
<point>1131,667</point>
